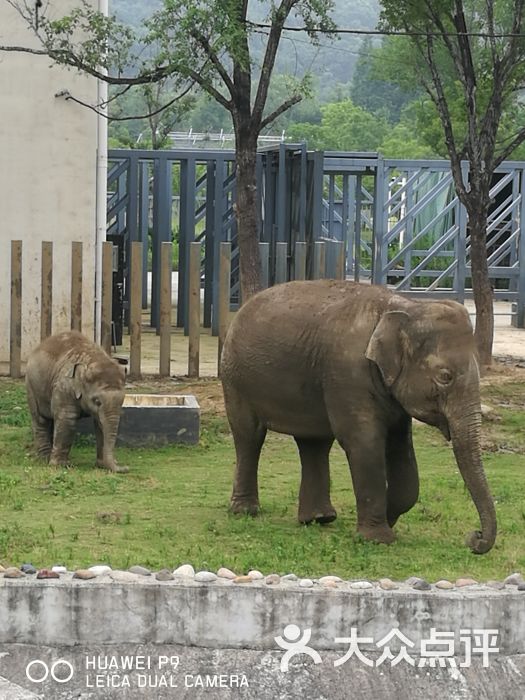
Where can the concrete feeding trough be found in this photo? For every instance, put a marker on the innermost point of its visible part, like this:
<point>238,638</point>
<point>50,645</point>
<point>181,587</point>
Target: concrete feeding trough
<point>155,419</point>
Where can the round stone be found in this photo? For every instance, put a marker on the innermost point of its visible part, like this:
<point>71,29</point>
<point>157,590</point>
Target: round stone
<point>255,575</point>
<point>421,585</point>
<point>412,579</point>
<point>205,576</point>
<point>84,574</point>
<point>272,580</point>
<point>47,573</point>
<point>325,579</point>
<point>461,582</point>
<point>139,570</point>
<point>124,576</point>
<point>497,585</point>
<point>514,579</point>
<point>289,577</point>
<point>164,575</point>
<point>13,572</point>
<point>100,569</point>
<point>185,570</point>
<point>387,584</point>
<point>361,584</point>
<point>306,583</point>
<point>28,569</point>
<point>243,579</point>
<point>329,584</point>
<point>521,586</point>
<point>444,584</point>
<point>59,569</point>
<point>226,573</point>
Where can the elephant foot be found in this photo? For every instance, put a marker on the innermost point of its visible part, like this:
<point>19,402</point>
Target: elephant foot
<point>238,507</point>
<point>59,462</point>
<point>115,468</point>
<point>377,533</point>
<point>323,516</point>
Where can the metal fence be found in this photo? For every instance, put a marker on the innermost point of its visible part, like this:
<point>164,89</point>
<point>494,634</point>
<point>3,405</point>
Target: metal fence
<point>399,221</point>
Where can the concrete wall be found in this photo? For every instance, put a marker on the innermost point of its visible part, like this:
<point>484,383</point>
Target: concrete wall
<point>190,634</point>
<point>47,176</point>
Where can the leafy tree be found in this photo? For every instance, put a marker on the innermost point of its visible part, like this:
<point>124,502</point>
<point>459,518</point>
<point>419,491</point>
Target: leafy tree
<point>344,127</point>
<point>371,87</point>
<point>469,57</point>
<point>208,44</point>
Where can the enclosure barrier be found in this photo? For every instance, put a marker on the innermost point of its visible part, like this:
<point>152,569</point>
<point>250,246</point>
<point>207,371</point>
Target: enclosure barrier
<point>329,262</point>
<point>358,642</point>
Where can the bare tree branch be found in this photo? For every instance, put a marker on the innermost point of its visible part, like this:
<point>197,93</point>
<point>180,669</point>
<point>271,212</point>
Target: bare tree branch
<point>280,110</point>
<point>68,97</point>
<point>215,60</point>
<point>210,89</point>
<point>516,141</point>
<point>274,37</point>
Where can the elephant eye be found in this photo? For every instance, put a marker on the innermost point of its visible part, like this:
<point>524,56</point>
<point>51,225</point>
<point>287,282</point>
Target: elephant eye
<point>444,377</point>
<point>97,401</point>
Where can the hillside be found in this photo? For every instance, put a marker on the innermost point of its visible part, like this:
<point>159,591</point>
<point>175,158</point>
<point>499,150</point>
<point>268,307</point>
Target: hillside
<point>332,62</point>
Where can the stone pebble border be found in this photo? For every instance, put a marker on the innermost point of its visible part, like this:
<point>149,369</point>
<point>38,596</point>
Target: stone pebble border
<point>186,574</point>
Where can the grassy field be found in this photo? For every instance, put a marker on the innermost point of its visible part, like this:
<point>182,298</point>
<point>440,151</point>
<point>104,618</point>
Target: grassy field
<point>172,506</point>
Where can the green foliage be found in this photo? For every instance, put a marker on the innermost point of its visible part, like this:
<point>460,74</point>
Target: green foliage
<point>344,127</point>
<point>472,82</point>
<point>372,88</point>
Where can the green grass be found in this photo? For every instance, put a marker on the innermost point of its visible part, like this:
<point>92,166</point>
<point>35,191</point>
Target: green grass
<point>172,506</point>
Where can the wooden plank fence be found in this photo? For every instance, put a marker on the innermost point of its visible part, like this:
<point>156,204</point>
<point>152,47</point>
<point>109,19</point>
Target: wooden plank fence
<point>325,265</point>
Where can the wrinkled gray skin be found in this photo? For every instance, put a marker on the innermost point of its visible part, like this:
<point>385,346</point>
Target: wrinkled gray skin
<point>67,377</point>
<point>337,360</point>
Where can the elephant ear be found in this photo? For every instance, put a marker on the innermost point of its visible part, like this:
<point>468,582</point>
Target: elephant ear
<point>385,347</point>
<point>74,374</point>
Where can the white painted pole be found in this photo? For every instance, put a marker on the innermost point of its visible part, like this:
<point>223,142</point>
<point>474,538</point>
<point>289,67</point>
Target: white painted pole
<point>102,172</point>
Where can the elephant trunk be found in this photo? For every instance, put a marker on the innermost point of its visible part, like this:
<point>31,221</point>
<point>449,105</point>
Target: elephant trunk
<point>465,432</point>
<point>109,426</point>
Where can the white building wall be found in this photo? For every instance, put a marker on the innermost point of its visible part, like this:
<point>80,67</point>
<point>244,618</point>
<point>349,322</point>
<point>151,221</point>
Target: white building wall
<point>48,158</point>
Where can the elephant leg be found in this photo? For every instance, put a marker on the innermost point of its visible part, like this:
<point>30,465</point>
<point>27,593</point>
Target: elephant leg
<point>248,436</point>
<point>402,476</point>
<point>42,429</point>
<point>314,495</point>
<point>364,442</point>
<point>63,436</point>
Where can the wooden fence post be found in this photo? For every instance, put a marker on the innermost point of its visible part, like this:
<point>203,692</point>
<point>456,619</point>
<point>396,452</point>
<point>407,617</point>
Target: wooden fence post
<point>300,260</point>
<point>224,296</point>
<point>319,260</point>
<point>46,290</point>
<point>76,286</point>
<point>194,309</point>
<point>135,310</point>
<point>107,296</point>
<point>15,338</point>
<point>340,271</point>
<point>165,309</point>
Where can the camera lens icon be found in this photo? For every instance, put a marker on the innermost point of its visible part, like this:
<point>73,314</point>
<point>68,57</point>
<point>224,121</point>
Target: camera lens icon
<point>61,671</point>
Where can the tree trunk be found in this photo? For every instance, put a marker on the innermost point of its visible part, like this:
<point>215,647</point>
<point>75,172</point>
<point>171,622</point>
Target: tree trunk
<point>246,215</point>
<point>481,286</point>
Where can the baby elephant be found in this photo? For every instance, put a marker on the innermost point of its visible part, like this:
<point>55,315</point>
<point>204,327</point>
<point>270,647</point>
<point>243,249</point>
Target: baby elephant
<point>68,377</point>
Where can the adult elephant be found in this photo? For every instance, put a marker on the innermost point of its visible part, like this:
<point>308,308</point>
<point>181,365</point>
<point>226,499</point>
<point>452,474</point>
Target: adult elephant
<point>332,360</point>
<point>67,377</point>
